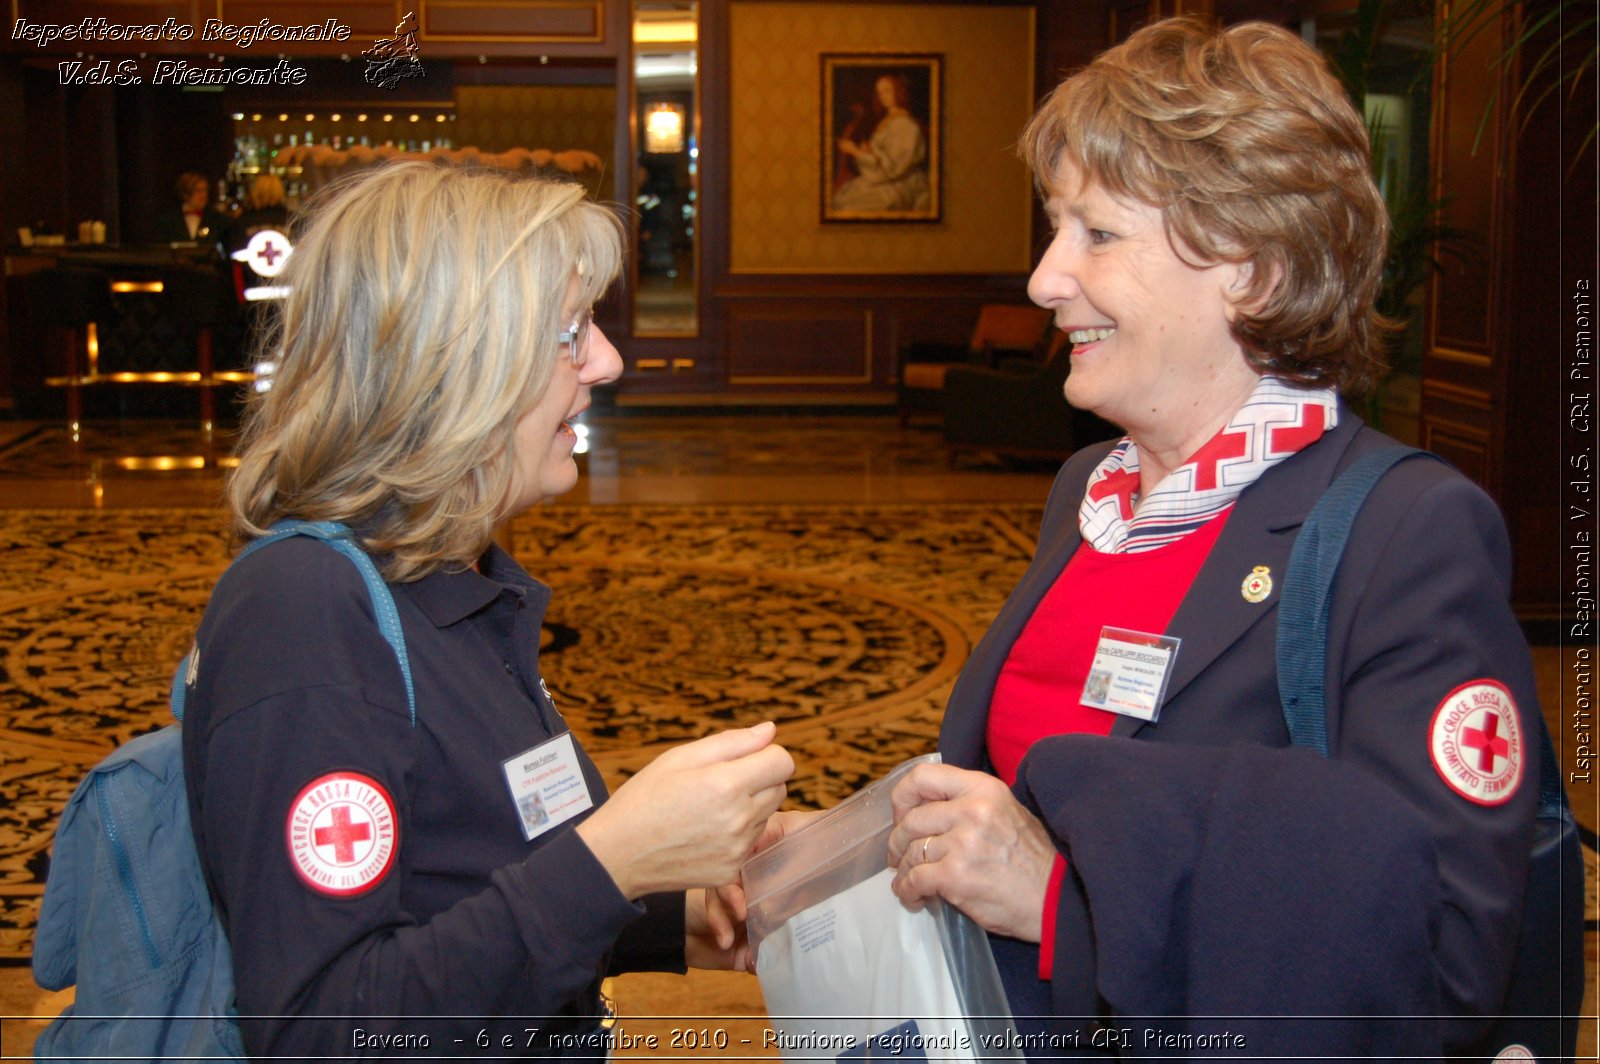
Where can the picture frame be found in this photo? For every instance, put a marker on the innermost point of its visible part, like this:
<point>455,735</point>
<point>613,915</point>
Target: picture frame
<point>882,137</point>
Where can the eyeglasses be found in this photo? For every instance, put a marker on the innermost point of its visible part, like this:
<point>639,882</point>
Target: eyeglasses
<point>576,337</point>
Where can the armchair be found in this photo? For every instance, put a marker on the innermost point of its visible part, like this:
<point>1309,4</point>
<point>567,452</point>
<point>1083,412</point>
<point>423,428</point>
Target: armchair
<point>1018,410</point>
<point>1001,327</point>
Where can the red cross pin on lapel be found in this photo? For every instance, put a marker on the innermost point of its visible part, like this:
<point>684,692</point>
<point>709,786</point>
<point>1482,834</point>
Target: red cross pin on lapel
<point>1257,586</point>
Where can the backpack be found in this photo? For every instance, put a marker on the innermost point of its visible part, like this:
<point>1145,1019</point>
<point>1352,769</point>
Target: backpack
<point>1545,993</point>
<point>126,914</point>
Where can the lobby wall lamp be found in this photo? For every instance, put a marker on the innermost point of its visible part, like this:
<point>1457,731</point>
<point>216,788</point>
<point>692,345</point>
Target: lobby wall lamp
<point>663,128</point>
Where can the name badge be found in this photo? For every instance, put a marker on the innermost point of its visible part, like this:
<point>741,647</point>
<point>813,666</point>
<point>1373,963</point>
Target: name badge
<point>547,785</point>
<point>1129,672</point>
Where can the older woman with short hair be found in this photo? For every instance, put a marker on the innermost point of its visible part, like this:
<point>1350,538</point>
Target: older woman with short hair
<point>1218,246</point>
<point>477,882</point>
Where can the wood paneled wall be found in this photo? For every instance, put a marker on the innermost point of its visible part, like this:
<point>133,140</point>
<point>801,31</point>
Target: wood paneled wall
<point>829,330</point>
<point>1502,331</point>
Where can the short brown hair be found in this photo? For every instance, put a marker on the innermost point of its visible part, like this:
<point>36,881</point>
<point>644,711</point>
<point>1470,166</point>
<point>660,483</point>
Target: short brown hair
<point>188,182</point>
<point>1246,142</point>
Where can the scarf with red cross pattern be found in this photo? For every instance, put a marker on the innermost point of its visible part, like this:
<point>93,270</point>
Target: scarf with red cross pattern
<point>1276,421</point>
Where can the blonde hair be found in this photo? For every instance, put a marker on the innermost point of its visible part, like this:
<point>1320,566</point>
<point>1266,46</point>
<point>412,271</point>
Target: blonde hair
<point>422,320</point>
<point>265,191</point>
<point>1246,142</point>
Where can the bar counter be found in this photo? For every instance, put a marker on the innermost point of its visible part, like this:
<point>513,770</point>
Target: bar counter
<point>118,325</point>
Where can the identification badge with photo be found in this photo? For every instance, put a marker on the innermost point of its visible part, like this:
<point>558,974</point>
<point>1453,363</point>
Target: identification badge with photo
<point>1129,673</point>
<point>547,785</point>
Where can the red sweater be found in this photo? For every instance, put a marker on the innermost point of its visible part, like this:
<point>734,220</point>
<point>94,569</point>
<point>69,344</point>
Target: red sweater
<point>1039,688</point>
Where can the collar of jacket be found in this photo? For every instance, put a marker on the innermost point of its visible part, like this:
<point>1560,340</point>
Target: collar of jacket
<point>446,597</point>
<point>1213,614</point>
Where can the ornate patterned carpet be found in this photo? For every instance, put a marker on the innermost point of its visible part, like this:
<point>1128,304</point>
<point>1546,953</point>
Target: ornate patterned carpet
<point>846,625</point>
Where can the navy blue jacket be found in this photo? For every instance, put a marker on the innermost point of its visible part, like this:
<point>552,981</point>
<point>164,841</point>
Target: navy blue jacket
<point>1420,606</point>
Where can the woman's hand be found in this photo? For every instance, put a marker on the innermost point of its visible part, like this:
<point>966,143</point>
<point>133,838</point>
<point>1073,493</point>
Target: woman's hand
<point>691,816</point>
<point>716,933</point>
<point>714,929</point>
<point>962,836</point>
<point>784,824</point>
<point>714,920</point>
<point>849,147</point>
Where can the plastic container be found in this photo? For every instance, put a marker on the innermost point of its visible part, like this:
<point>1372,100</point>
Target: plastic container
<point>846,969</point>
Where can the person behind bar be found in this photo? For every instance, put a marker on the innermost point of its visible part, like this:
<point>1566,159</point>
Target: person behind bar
<point>473,882</point>
<point>265,207</point>
<point>193,220</point>
<point>1119,804</point>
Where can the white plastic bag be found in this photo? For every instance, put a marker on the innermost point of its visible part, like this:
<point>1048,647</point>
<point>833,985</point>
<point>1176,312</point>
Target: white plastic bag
<point>847,970</point>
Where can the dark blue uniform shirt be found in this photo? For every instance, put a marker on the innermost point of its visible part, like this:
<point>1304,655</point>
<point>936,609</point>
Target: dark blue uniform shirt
<point>470,928</point>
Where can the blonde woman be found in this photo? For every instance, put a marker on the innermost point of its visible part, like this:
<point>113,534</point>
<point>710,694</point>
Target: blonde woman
<point>265,207</point>
<point>437,342</point>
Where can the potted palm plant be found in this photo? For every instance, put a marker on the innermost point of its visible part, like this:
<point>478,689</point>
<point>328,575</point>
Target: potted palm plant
<point>1419,242</point>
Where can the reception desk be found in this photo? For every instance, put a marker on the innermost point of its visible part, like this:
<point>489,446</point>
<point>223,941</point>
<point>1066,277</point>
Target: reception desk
<point>123,331</point>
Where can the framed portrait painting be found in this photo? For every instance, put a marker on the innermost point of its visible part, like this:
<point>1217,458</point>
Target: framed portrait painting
<point>881,137</point>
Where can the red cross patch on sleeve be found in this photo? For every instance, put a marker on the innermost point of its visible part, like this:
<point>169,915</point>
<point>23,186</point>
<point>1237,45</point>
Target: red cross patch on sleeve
<point>1476,742</point>
<point>342,834</point>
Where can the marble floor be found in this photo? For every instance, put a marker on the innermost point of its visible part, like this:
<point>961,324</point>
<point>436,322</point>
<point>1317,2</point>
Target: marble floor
<point>632,458</point>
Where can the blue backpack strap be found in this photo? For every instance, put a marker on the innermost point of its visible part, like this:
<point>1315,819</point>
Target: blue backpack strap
<point>1307,586</point>
<point>1303,615</point>
<point>341,539</point>
<point>1546,977</point>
